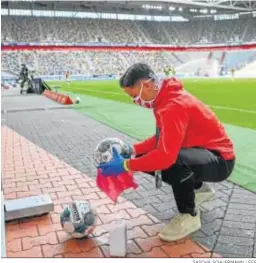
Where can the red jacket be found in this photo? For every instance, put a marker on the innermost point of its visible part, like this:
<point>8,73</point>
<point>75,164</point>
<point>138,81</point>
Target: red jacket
<point>183,122</point>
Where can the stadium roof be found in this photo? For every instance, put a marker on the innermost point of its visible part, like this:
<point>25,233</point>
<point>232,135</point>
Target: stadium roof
<point>186,8</point>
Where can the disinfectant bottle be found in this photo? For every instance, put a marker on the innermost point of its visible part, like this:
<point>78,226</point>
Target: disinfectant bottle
<point>118,239</point>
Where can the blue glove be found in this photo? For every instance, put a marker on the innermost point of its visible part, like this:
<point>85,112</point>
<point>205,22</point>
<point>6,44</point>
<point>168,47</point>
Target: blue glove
<point>115,166</point>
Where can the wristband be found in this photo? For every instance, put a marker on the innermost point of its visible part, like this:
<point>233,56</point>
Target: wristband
<point>126,166</point>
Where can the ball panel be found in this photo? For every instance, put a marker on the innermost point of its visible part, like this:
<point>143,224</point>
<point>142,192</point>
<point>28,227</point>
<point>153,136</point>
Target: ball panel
<point>78,219</point>
<point>104,150</point>
<point>68,227</point>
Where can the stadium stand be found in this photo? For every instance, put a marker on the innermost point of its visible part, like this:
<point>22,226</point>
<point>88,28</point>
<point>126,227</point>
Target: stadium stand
<point>112,62</point>
<point>247,70</point>
<point>236,59</point>
<point>47,30</point>
<point>33,29</point>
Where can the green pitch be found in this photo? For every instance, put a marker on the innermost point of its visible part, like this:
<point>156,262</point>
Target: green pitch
<point>234,102</point>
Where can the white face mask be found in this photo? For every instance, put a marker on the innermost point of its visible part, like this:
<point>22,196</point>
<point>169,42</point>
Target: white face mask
<point>149,104</point>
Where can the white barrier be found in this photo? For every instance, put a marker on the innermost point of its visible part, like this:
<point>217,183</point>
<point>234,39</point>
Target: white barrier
<point>3,247</point>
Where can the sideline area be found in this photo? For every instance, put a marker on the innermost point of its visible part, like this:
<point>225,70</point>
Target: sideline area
<point>50,151</point>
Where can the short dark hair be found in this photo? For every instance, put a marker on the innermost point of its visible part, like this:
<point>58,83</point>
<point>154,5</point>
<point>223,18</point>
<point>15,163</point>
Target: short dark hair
<point>136,72</point>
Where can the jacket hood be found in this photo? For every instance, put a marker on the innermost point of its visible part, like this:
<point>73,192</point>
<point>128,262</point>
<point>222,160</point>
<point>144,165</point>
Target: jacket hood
<point>170,88</point>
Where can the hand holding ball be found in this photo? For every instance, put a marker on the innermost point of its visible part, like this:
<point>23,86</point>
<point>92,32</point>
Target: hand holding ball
<point>104,150</point>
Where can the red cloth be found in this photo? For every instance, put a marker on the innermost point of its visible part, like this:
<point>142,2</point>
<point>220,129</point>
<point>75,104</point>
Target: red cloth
<point>182,122</point>
<point>113,186</point>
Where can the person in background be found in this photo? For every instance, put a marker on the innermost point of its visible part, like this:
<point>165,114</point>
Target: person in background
<point>23,77</point>
<point>67,76</point>
<point>167,71</point>
<point>233,70</point>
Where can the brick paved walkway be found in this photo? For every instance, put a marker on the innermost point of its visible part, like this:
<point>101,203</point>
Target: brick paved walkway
<point>29,170</point>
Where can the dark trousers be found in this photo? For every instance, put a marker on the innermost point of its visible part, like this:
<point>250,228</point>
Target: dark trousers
<point>193,167</point>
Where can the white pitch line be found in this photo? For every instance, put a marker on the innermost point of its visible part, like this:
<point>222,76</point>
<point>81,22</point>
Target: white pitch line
<point>102,91</point>
<point>232,109</point>
<point>212,106</point>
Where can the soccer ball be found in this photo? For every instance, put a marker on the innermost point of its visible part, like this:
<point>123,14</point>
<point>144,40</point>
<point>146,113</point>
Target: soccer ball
<point>77,100</point>
<point>104,153</point>
<point>78,219</point>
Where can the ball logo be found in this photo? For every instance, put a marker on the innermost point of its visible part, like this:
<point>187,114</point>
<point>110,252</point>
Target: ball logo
<point>78,219</point>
